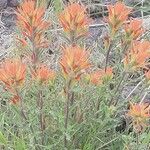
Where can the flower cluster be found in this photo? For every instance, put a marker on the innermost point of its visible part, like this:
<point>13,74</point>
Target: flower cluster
<point>74,20</point>
<point>140,113</point>
<point>31,22</point>
<point>43,74</point>
<point>134,29</point>
<point>12,75</point>
<point>100,76</point>
<point>74,62</point>
<point>137,56</point>
<point>117,15</point>
<point>137,53</point>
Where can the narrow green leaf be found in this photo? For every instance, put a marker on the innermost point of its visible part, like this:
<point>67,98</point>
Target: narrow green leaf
<point>3,140</point>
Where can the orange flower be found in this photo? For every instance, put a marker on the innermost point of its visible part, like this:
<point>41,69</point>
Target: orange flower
<point>43,74</point>
<point>12,74</point>
<point>74,62</point>
<point>139,113</point>
<point>117,15</point>
<point>31,23</point>
<point>134,29</point>
<point>98,77</point>
<point>137,56</point>
<point>74,20</point>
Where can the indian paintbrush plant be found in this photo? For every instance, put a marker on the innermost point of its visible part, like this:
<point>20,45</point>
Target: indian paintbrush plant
<point>75,103</point>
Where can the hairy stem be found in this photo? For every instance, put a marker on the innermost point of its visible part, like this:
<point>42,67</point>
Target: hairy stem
<point>107,55</point>
<point>98,107</point>
<point>68,92</point>
<point>73,38</point>
<point>41,116</point>
<point>137,140</point>
<point>117,89</point>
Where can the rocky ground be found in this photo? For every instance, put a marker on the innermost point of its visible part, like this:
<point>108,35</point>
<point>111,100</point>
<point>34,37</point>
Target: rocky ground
<point>8,3</point>
<point>7,25</point>
<point>7,16</point>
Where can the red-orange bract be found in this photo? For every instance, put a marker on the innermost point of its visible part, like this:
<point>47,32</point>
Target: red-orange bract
<point>137,56</point>
<point>43,74</point>
<point>134,29</point>
<point>98,77</point>
<point>139,112</point>
<point>30,19</point>
<point>117,15</point>
<point>74,20</point>
<point>12,73</point>
<point>74,62</point>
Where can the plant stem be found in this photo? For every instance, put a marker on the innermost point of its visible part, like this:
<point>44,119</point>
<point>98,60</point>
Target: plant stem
<point>98,107</point>
<point>137,140</point>
<point>107,55</point>
<point>34,52</point>
<point>23,115</point>
<point>117,89</point>
<point>66,121</point>
<point>41,116</point>
<point>67,110</point>
<point>22,109</point>
<point>125,48</point>
<point>72,38</point>
<point>122,78</point>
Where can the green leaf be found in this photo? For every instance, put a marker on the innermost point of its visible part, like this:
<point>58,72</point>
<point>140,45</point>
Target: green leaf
<point>145,138</point>
<point>57,5</point>
<point>19,144</point>
<point>3,140</point>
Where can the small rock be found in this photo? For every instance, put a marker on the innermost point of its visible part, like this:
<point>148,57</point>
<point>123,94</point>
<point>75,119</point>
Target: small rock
<point>3,4</point>
<point>13,3</point>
